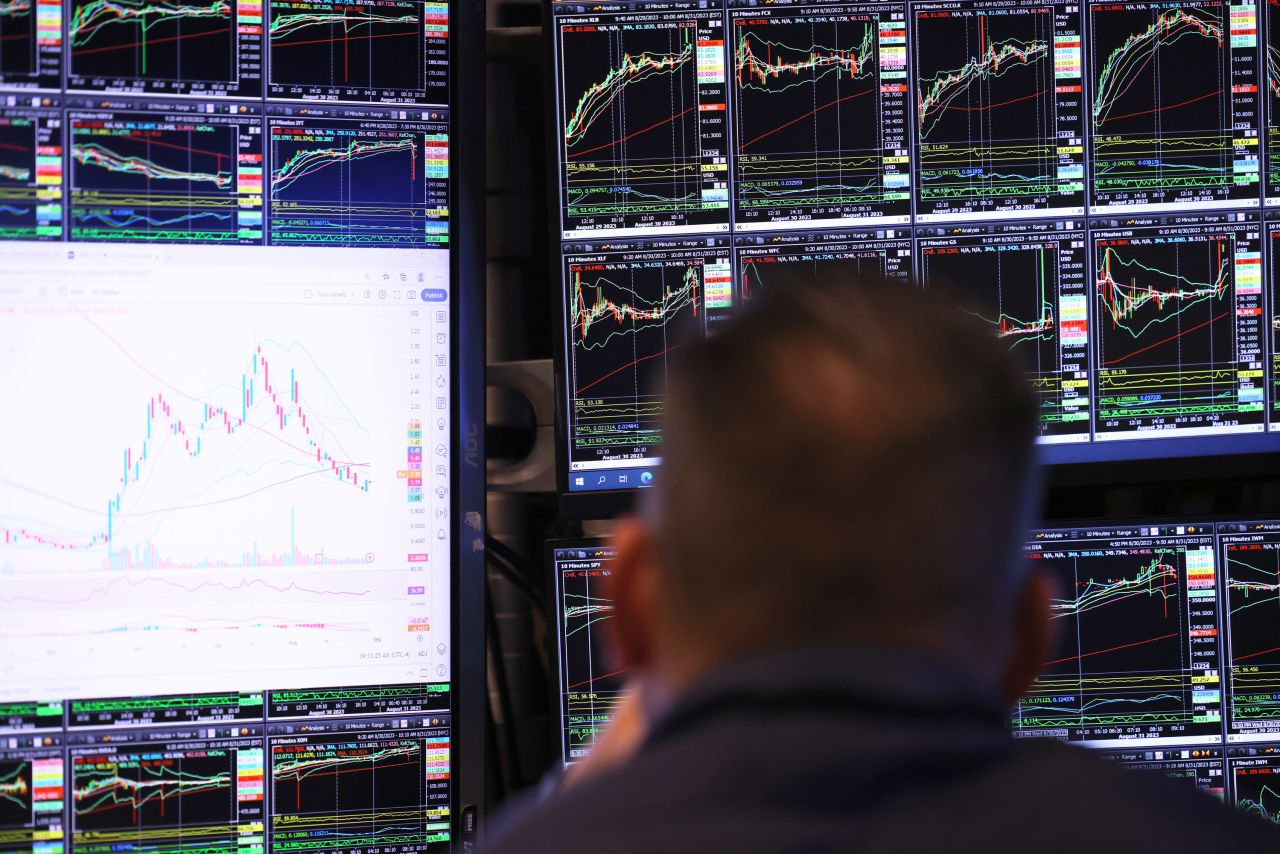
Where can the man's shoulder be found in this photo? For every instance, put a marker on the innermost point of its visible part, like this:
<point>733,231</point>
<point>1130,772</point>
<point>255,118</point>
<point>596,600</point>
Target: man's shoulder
<point>1059,797</point>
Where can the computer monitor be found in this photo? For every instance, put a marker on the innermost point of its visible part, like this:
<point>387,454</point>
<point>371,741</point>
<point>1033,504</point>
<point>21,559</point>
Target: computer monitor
<point>239,327</point>
<point>1167,657</point>
<point>589,680</point>
<point>1104,214</point>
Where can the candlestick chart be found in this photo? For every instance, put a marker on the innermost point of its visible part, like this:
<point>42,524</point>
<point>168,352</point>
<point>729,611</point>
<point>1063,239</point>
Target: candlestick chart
<point>31,796</point>
<point>144,179</point>
<point>138,40</point>
<point>18,49</point>
<point>1161,134</point>
<point>1256,788</point>
<point>1174,331</point>
<point>1016,288</point>
<point>359,47</point>
<point>1253,621</point>
<point>994,129</point>
<point>625,319</point>
<point>344,185</point>
<point>814,126</point>
<point>328,776</point>
<point>1122,658</point>
<point>16,789</point>
<point>346,792</point>
<point>117,791</point>
<point>642,135</point>
<point>223,504</point>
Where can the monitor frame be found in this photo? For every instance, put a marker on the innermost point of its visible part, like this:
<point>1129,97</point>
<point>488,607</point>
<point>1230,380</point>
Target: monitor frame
<point>555,633</point>
<point>467,82</point>
<point>1145,461</point>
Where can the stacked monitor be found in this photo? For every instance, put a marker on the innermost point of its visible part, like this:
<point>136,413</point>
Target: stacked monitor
<point>234,304</point>
<point>1168,656</point>
<point>1092,178</point>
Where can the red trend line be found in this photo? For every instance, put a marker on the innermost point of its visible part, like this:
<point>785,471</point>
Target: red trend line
<point>1161,109</point>
<point>993,106</point>
<point>219,154</point>
<point>805,116</point>
<point>345,39</point>
<point>149,42</point>
<point>1110,649</point>
<point>374,767</point>
<point>1254,654</point>
<point>8,146</point>
<point>12,38</point>
<point>631,364</point>
<point>630,135</point>
<point>1167,340</point>
<point>597,678</point>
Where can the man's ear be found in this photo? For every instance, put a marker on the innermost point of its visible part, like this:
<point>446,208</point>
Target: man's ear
<point>634,590</point>
<point>1035,635</point>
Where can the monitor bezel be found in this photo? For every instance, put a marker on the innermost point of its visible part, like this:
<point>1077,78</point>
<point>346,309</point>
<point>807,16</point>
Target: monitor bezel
<point>468,672</point>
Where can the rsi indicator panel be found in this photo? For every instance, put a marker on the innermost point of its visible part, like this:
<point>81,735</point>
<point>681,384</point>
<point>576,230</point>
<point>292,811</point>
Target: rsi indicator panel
<point>1174,104</point>
<point>1179,343</point>
<point>643,131</point>
<point>762,259</point>
<point>820,114</point>
<point>1138,649</point>
<point>591,684</point>
<point>998,105</point>
<point>629,306</point>
<point>1028,284</point>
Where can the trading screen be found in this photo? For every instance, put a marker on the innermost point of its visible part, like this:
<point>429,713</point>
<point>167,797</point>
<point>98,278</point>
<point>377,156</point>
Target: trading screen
<point>1085,177</point>
<point>1166,659</point>
<point>226,324</point>
<point>590,680</point>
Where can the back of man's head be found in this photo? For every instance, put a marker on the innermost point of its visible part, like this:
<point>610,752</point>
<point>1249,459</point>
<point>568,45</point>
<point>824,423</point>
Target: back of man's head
<point>847,461</point>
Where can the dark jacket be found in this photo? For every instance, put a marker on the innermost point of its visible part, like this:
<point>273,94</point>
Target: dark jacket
<point>868,753</point>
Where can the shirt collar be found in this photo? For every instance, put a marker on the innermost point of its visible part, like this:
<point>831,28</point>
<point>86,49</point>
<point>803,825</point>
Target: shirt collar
<point>857,680</point>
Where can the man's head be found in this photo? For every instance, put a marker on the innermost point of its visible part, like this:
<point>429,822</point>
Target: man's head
<point>848,463</point>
